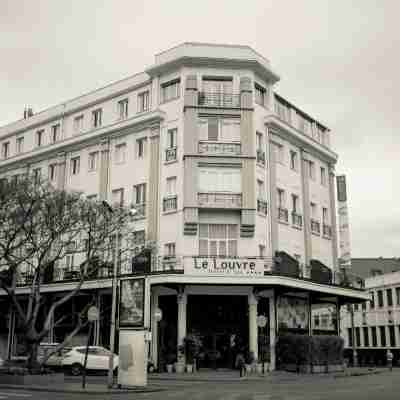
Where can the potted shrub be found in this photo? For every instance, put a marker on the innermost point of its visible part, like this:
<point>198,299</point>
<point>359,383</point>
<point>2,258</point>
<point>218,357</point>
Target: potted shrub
<point>170,358</point>
<point>249,360</point>
<point>180,364</point>
<point>192,346</point>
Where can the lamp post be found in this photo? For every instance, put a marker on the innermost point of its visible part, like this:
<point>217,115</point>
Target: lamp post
<point>110,377</point>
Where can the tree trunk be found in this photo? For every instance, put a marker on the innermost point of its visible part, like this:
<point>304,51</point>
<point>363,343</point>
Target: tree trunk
<point>32,362</point>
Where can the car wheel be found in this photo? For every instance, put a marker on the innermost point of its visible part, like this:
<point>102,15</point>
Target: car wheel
<point>76,369</point>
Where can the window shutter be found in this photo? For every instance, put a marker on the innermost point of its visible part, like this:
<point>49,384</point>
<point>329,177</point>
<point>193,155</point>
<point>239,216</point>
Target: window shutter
<point>213,129</point>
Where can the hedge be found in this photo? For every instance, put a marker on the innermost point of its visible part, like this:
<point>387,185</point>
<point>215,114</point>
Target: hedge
<point>305,349</point>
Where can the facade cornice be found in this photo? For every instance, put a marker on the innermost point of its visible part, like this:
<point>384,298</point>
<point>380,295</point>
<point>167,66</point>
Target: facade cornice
<point>117,129</point>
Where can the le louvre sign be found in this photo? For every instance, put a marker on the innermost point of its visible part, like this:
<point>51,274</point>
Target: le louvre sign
<point>246,267</point>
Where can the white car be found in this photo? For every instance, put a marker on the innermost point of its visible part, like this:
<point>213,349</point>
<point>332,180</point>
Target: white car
<point>98,358</point>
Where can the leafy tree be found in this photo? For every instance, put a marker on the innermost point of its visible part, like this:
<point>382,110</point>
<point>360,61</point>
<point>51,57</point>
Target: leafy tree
<point>39,227</point>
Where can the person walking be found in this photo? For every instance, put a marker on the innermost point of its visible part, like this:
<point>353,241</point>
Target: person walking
<point>389,359</point>
<point>239,363</point>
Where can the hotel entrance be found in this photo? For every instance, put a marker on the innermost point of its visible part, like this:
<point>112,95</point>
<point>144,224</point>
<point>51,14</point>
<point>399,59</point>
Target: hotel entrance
<point>222,324</point>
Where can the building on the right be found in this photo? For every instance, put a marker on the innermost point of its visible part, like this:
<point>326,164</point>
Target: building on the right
<point>371,328</point>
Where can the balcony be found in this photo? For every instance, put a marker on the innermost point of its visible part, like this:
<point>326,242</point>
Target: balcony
<point>140,211</point>
<point>327,230</point>
<point>315,227</point>
<point>262,206</point>
<point>170,154</point>
<point>170,203</point>
<point>220,200</point>
<point>219,99</point>
<point>260,156</point>
<point>283,215</point>
<point>297,220</point>
<point>222,148</point>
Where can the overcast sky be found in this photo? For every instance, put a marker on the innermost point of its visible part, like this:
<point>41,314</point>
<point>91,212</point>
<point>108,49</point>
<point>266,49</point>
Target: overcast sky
<point>339,60</point>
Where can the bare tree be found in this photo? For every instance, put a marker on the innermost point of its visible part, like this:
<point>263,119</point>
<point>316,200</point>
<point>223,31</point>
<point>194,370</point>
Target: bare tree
<point>39,227</point>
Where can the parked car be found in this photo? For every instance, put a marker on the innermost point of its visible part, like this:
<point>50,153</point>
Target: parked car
<point>55,360</point>
<point>98,358</point>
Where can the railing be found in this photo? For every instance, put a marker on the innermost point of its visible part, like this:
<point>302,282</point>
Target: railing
<point>140,210</point>
<point>220,148</point>
<point>220,200</point>
<point>327,230</point>
<point>170,154</point>
<point>262,206</point>
<point>283,214</point>
<point>297,220</point>
<point>261,156</point>
<point>219,99</point>
<point>170,203</point>
<point>315,226</point>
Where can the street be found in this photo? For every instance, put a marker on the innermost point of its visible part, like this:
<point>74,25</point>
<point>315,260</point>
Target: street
<point>384,386</point>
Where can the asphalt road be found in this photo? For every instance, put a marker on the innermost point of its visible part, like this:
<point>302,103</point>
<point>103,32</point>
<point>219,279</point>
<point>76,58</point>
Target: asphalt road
<point>385,386</point>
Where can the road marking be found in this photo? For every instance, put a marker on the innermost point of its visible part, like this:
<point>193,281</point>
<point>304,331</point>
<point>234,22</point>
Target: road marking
<point>2,394</point>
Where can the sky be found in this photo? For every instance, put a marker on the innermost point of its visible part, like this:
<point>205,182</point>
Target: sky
<point>338,60</point>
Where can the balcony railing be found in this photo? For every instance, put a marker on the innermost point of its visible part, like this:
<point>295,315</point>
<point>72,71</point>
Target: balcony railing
<point>219,99</point>
<point>327,230</point>
<point>262,206</point>
<point>231,149</point>
<point>170,154</point>
<point>220,200</point>
<point>315,227</point>
<point>140,210</point>
<point>170,203</point>
<point>283,214</point>
<point>297,220</point>
<point>261,157</point>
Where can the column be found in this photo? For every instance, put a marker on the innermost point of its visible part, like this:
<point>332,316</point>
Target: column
<point>253,329</point>
<point>154,328</point>
<point>96,326</point>
<point>182,303</point>
<point>305,192</point>
<point>334,239</point>
<point>61,170</point>
<point>273,214</point>
<point>104,168</point>
<point>272,331</point>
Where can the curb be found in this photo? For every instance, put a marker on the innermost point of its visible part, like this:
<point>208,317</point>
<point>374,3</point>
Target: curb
<point>81,391</point>
<point>375,372</point>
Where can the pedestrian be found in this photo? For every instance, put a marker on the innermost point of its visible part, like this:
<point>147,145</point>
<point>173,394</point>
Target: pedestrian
<point>389,359</point>
<point>239,363</point>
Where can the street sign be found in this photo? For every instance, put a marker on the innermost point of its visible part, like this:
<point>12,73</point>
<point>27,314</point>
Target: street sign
<point>158,314</point>
<point>93,314</point>
<point>261,321</point>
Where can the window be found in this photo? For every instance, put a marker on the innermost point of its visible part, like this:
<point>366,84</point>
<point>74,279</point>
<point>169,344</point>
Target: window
<point>283,111</point>
<point>261,250</point>
<point>323,176</point>
<point>52,172</point>
<point>217,85</point>
<point>358,338</point>
<point>389,297</point>
<point>118,197</point>
<point>171,138</point>
<point>260,94</point>
<point>39,138</point>
<point>170,90</point>
<point>96,118</point>
<point>316,320</point>
<point>374,337</point>
<point>140,147</point>
<point>55,133</point>
<point>398,295</point>
<point>171,186</point>
<point>281,198</point>
<point>313,208</point>
<point>218,240</point>
<point>138,241</point>
<point>20,145</point>
<point>139,194</point>
<point>366,337</point>
<point>223,179</point>
<point>169,250</point>
<point>380,298</point>
<point>356,307</point>
<point>311,170</point>
<point>293,160</point>
<point>279,153</point>
<point>364,305</point>
<point>324,216</point>
<point>93,160</point>
<point>392,337</point>
<point>143,101</point>
<point>120,153</point>
<point>259,141</point>
<point>123,109</point>
<point>5,150</point>
<point>372,301</point>
<point>350,336</point>
<point>36,175</point>
<point>78,124</point>
<point>70,262</point>
<point>383,335</point>
<point>260,190</point>
<point>219,129</point>
<point>295,201</point>
<point>75,164</point>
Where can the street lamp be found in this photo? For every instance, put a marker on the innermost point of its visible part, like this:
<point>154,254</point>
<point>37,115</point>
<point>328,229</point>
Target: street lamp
<point>110,377</point>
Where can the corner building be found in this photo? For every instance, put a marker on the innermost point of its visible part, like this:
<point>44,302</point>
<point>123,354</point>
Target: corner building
<point>232,182</point>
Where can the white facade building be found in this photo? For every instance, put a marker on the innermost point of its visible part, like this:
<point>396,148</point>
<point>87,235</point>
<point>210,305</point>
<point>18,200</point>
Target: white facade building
<point>228,178</point>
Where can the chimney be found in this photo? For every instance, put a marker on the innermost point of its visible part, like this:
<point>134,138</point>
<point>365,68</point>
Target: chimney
<point>28,112</point>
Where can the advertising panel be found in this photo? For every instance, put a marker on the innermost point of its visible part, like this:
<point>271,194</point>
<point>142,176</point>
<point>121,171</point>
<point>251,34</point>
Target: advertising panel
<point>131,306</point>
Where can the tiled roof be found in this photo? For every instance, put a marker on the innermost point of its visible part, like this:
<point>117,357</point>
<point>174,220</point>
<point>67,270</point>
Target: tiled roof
<point>365,267</point>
